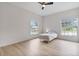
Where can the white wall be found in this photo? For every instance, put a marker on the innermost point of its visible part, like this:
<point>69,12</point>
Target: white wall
<point>15,24</point>
<point>52,22</point>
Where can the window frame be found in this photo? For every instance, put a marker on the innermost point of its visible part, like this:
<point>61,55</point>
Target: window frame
<point>65,33</point>
<point>34,29</point>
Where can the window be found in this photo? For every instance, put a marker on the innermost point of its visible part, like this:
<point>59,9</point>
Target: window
<point>34,27</point>
<point>69,26</point>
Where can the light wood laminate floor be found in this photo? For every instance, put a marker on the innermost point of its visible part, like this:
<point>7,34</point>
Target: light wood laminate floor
<point>36,48</point>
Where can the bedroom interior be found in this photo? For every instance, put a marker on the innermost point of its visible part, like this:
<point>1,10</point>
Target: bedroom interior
<point>39,28</point>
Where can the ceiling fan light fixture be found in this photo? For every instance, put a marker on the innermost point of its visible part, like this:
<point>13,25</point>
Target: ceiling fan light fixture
<point>44,4</point>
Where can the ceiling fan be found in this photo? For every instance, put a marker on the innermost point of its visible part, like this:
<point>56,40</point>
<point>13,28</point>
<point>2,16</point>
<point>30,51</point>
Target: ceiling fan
<point>45,3</point>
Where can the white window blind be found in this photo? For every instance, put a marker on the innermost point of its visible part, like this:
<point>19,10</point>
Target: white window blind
<point>69,26</point>
<point>34,27</point>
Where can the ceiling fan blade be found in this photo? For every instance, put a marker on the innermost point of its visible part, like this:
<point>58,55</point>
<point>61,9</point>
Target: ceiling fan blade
<point>49,3</point>
<point>42,3</point>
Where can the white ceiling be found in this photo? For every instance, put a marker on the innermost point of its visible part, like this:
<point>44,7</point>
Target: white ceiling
<point>56,7</point>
